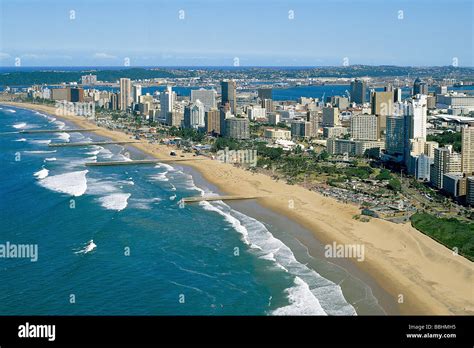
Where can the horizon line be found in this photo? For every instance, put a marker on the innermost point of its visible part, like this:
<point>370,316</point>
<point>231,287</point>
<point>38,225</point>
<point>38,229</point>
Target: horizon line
<point>233,67</point>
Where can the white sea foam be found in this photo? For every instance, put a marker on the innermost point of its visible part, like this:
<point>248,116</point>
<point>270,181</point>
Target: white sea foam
<point>115,201</point>
<point>60,124</point>
<point>50,159</point>
<point>143,203</point>
<point>312,294</point>
<point>43,173</point>
<point>88,248</point>
<point>40,151</point>
<point>302,301</point>
<point>11,110</point>
<point>64,136</point>
<point>73,183</point>
<point>21,139</point>
<point>166,166</point>
<point>42,142</point>
<point>19,125</point>
<point>93,153</point>
<point>159,177</point>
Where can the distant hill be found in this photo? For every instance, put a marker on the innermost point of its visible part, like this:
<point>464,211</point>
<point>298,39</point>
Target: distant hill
<point>19,77</point>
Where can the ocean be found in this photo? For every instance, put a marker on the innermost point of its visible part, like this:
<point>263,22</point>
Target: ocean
<point>115,241</point>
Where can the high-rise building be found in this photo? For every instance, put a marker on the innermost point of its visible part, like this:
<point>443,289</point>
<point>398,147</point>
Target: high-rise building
<point>382,103</point>
<point>330,117</point>
<point>255,112</point>
<point>417,117</point>
<point>300,128</point>
<point>229,95</point>
<point>313,118</point>
<point>136,93</point>
<point>470,191</point>
<point>467,150</point>
<point>364,127</point>
<point>395,135</point>
<point>125,93</point>
<point>237,128</point>
<point>114,102</point>
<point>194,115</point>
<point>224,114</point>
<point>445,161</point>
<point>267,104</point>
<point>264,93</point>
<point>175,118</point>
<point>397,95</point>
<point>419,87</point>
<point>358,91</point>
<point>422,167</point>
<point>212,120</point>
<point>441,89</point>
<point>205,96</point>
<point>167,98</point>
<point>415,128</point>
<point>75,94</point>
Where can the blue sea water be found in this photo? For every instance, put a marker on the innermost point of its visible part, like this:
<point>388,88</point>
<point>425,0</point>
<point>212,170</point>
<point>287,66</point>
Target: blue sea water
<point>151,256</point>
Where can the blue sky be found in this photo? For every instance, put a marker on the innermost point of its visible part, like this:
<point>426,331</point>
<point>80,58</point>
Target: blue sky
<point>256,32</point>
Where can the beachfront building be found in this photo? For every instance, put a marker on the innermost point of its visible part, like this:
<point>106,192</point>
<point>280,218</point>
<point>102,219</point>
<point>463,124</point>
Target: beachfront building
<point>237,128</point>
<point>194,115</point>
<point>445,161</point>
<point>125,93</point>
<point>470,191</point>
<point>175,118</point>
<point>212,121</point>
<point>167,99</point>
<point>467,149</point>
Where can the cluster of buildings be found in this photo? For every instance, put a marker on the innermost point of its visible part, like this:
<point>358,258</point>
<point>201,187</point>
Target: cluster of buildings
<point>361,123</point>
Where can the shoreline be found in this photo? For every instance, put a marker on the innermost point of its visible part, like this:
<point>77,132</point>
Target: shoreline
<point>401,260</point>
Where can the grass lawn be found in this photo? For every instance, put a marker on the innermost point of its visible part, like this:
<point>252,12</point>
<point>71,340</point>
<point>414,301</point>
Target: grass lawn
<point>449,232</point>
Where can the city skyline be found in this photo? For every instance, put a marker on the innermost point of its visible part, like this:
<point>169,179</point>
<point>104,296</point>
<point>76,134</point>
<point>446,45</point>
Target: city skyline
<point>210,33</point>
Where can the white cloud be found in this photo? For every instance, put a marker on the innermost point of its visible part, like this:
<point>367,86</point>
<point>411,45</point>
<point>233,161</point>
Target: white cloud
<point>102,55</point>
<point>4,55</point>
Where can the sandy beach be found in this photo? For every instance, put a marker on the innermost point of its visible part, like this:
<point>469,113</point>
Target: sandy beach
<point>424,276</point>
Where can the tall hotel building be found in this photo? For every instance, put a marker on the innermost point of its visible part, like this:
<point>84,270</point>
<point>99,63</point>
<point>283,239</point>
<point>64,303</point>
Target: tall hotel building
<point>167,98</point>
<point>467,150</point>
<point>229,95</point>
<point>125,93</point>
